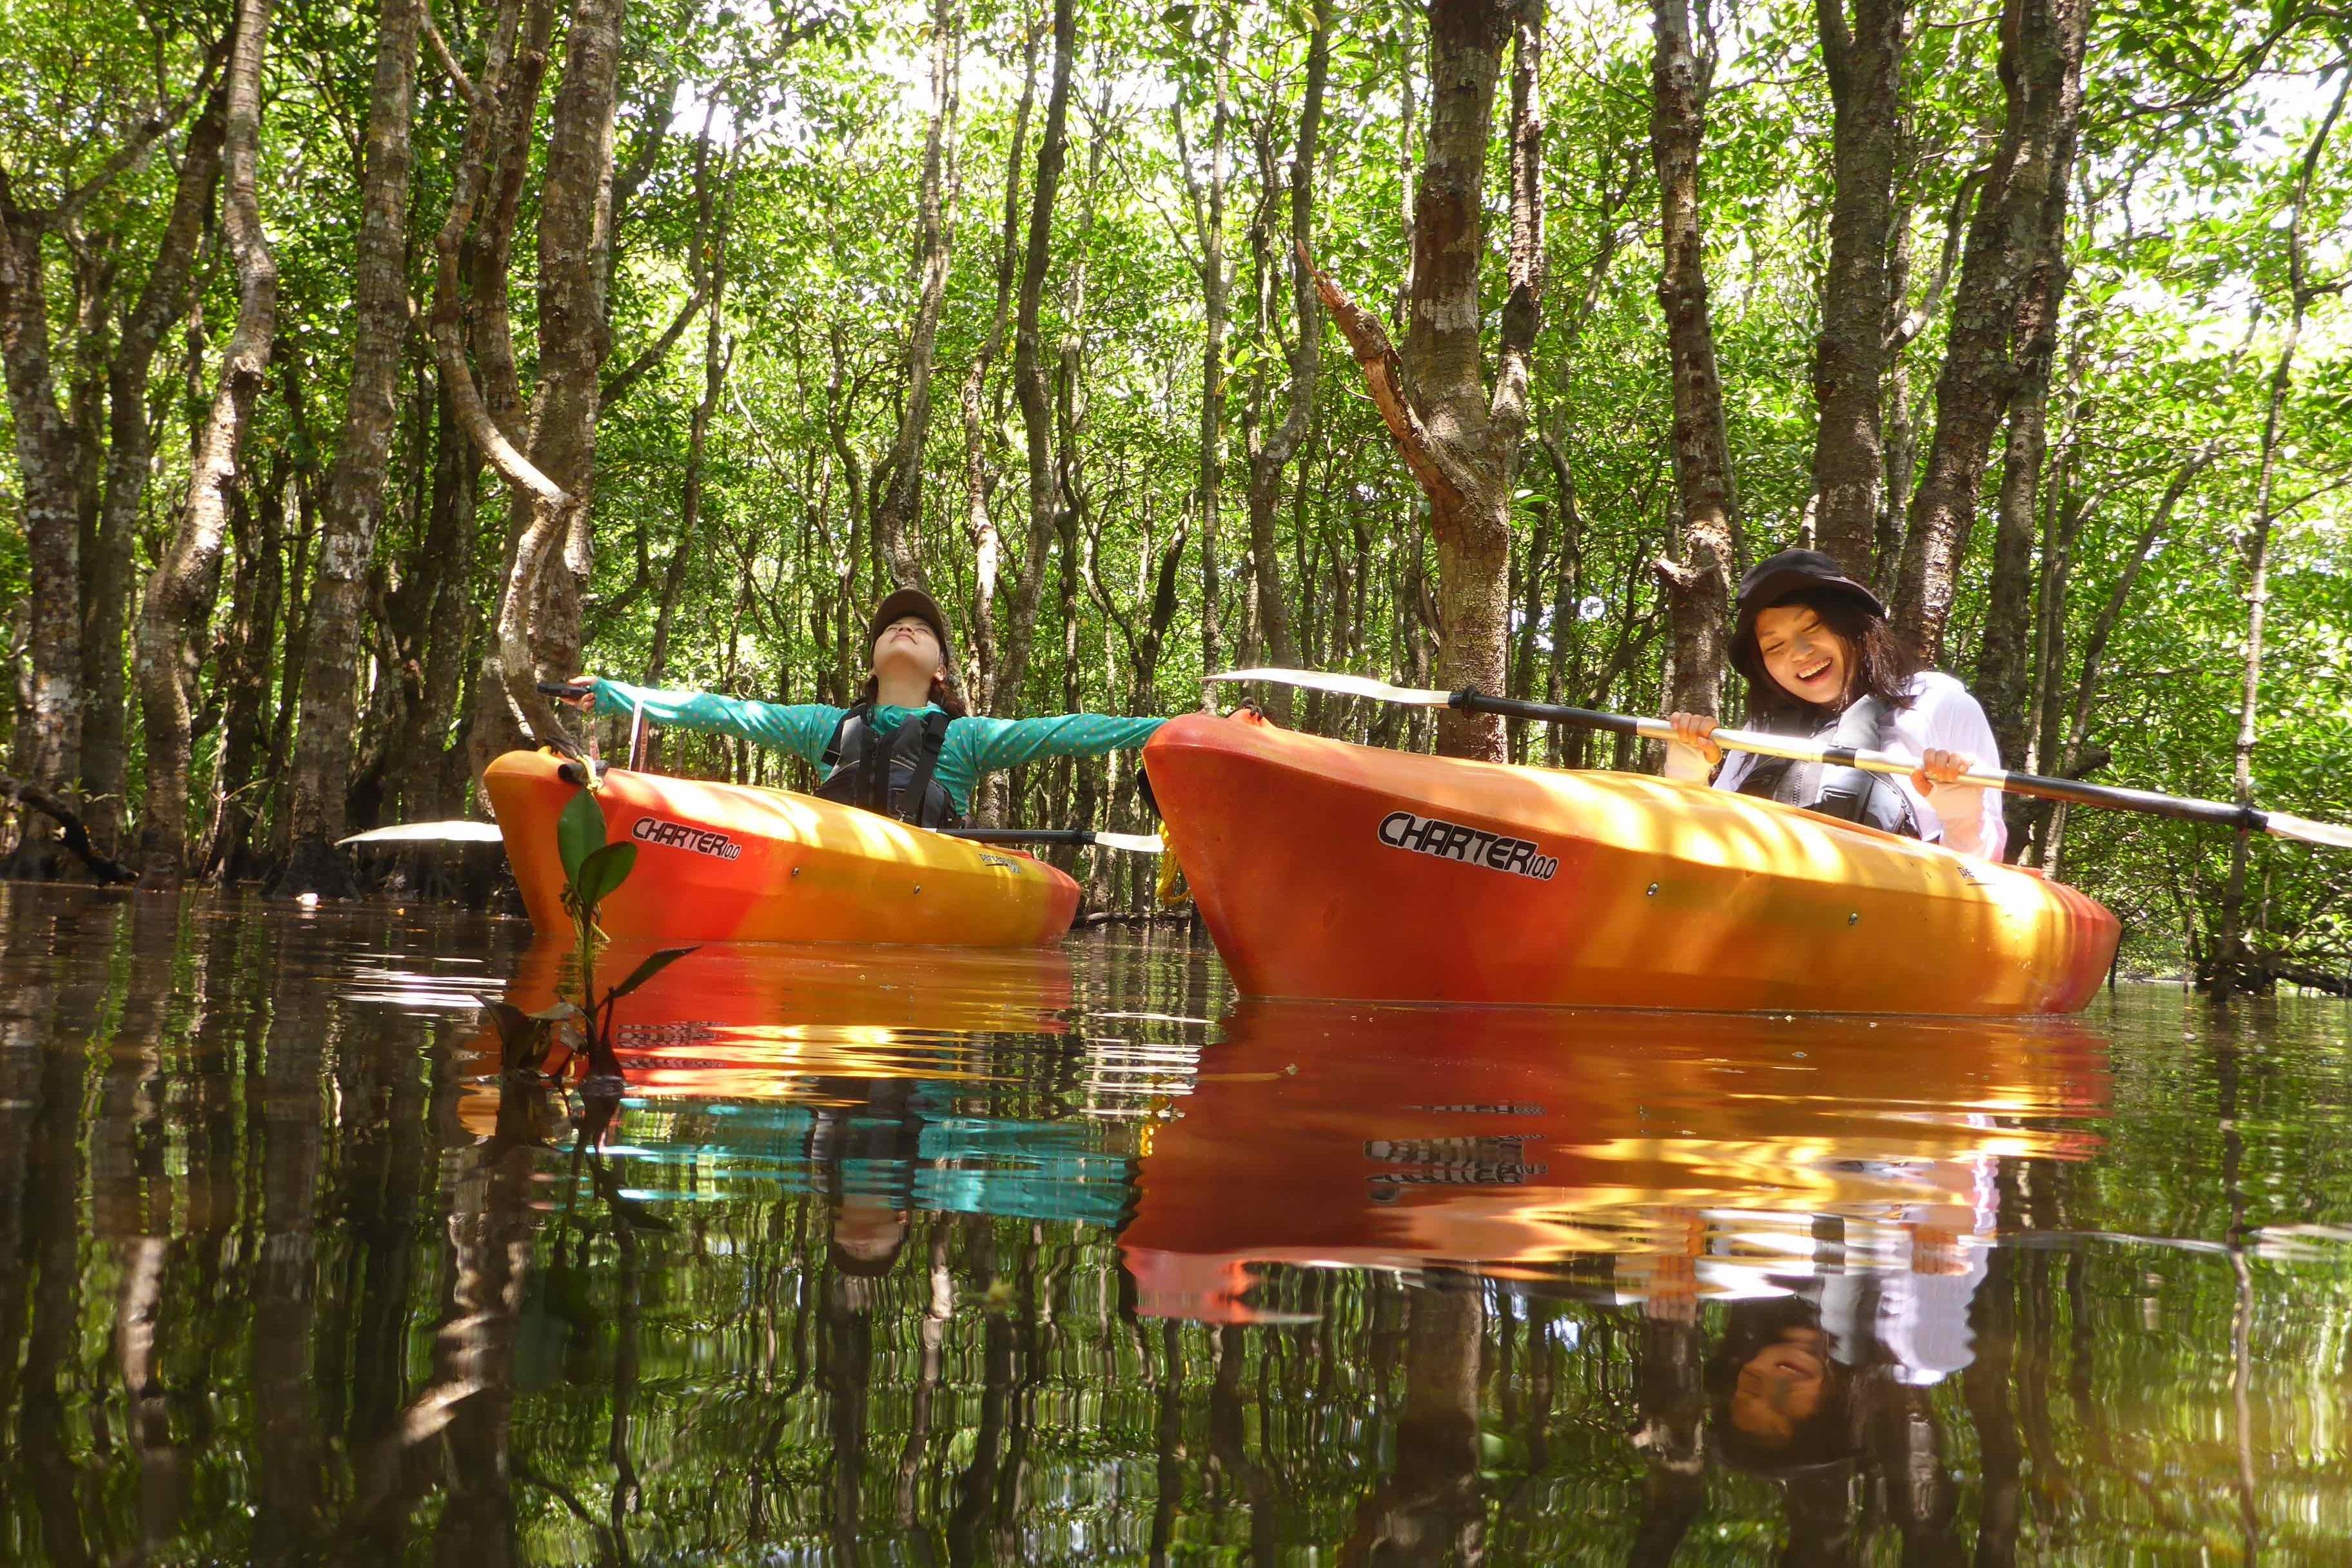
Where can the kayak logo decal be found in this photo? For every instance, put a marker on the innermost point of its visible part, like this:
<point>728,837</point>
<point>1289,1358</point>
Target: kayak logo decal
<point>1470,846</point>
<point>678,836</point>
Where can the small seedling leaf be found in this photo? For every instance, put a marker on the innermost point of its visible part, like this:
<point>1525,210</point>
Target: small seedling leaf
<point>579,833</point>
<point>654,964</point>
<point>603,871</point>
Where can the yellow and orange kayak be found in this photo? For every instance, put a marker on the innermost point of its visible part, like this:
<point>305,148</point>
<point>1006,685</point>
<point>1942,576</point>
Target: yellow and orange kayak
<point>719,862</point>
<point>1325,870</point>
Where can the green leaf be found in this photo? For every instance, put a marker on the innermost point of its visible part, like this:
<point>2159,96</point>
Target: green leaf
<point>603,871</point>
<point>654,964</point>
<point>579,833</point>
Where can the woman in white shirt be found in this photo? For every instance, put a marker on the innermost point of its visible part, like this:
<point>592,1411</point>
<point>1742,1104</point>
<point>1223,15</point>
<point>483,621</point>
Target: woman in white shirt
<point>1821,662</point>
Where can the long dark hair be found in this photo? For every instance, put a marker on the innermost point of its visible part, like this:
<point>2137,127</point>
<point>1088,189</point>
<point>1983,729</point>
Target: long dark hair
<point>1882,665</point>
<point>942,696</point>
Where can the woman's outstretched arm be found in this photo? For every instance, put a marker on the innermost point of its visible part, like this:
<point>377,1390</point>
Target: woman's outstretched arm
<point>801,728</point>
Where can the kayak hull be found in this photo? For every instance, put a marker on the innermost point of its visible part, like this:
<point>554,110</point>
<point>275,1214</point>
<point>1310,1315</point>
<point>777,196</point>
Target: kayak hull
<point>1328,870</point>
<point>720,862</point>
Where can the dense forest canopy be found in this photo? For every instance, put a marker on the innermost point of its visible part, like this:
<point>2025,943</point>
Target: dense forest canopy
<point>365,362</point>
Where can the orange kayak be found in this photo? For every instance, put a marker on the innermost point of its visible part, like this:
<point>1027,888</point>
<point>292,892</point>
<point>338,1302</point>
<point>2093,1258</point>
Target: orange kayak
<point>1325,870</point>
<point>719,862</point>
<point>1635,1154</point>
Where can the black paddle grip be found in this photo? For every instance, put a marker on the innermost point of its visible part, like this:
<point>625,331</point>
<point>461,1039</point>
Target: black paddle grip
<point>1470,699</point>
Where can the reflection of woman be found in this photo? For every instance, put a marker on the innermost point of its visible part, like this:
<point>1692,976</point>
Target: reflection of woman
<point>866,1150</point>
<point>1808,1404</point>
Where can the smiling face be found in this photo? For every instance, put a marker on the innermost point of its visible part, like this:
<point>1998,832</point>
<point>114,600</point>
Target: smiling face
<point>1781,1388</point>
<point>908,649</point>
<point>1804,656</point>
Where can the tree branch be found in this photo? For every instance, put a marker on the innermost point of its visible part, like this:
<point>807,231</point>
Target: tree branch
<point>617,387</point>
<point>1915,321</point>
<point>456,73</point>
<point>72,834</point>
<point>1384,373</point>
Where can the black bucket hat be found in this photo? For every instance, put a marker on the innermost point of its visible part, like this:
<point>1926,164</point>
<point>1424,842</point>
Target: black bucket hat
<point>901,603</point>
<point>1775,577</point>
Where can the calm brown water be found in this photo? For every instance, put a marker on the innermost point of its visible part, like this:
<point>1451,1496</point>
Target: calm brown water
<point>907,1257</point>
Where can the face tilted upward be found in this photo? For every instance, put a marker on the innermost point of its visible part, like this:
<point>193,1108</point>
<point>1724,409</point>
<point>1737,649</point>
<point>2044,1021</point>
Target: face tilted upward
<point>908,647</point>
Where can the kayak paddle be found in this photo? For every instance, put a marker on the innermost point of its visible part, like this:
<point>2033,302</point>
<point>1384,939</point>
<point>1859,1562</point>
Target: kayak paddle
<point>460,830</point>
<point>1133,843</point>
<point>2219,813</point>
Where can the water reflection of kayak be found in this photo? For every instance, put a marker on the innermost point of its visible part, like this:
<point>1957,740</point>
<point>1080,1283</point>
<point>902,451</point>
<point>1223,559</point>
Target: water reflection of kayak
<point>887,1080</point>
<point>747,1020</point>
<point>719,862</point>
<point>1325,870</point>
<point>1520,1142</point>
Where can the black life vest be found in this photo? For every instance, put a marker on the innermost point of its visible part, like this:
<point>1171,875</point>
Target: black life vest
<point>889,771</point>
<point>1848,793</point>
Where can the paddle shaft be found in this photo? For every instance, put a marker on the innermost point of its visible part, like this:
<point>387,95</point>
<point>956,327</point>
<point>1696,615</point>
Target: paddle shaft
<point>1078,835</point>
<point>2072,790</point>
<point>1135,843</point>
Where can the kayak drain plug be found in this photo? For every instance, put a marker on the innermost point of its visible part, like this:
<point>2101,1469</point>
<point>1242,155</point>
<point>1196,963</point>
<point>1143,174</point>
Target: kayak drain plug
<point>1855,918</point>
<point>1653,892</point>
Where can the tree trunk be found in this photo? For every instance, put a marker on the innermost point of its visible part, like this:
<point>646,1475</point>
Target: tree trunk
<point>2041,78</point>
<point>539,610</point>
<point>710,241</point>
<point>180,594</point>
<point>1208,204</point>
<point>1270,453</point>
<point>243,679</point>
<point>1029,370</point>
<point>1698,585</point>
<point>355,502</point>
<point>900,511</point>
<point>1461,442</point>
<point>49,714</point>
<point>163,300</point>
<point>2004,663</point>
<point>2070,752</point>
<point>2230,961</point>
<point>1864,66</point>
<point>980,527</point>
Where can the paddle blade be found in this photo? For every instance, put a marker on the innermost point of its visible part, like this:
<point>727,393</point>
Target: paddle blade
<point>2302,829</point>
<point>1344,685</point>
<point>1133,843</point>
<point>458,831</point>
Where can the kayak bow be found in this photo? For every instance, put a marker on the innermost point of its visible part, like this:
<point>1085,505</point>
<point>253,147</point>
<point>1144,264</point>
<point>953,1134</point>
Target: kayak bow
<point>718,862</point>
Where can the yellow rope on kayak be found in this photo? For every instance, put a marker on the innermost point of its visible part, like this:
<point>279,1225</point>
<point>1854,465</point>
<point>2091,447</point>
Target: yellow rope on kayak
<point>1171,882</point>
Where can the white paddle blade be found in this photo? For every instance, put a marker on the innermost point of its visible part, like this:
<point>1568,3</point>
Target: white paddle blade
<point>1345,685</point>
<point>456,831</point>
<point>2302,829</point>
<point>1133,843</point>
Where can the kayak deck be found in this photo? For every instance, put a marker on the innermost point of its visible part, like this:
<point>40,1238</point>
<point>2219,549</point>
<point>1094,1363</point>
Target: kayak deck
<point>1330,870</point>
<point>719,862</point>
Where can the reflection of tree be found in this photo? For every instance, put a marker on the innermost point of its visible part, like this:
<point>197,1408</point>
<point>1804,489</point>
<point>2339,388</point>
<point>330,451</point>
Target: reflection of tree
<point>1670,1390</point>
<point>471,1402</point>
<point>1429,1510</point>
<point>288,1435</point>
<point>47,1023</point>
<point>1229,1441</point>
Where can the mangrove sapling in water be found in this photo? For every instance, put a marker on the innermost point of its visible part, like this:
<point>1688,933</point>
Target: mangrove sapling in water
<point>592,870</point>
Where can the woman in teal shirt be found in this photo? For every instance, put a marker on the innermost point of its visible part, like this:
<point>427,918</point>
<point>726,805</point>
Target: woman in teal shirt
<point>907,747</point>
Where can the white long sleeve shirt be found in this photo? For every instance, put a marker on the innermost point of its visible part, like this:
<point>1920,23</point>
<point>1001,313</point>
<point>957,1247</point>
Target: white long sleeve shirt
<point>1943,716</point>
